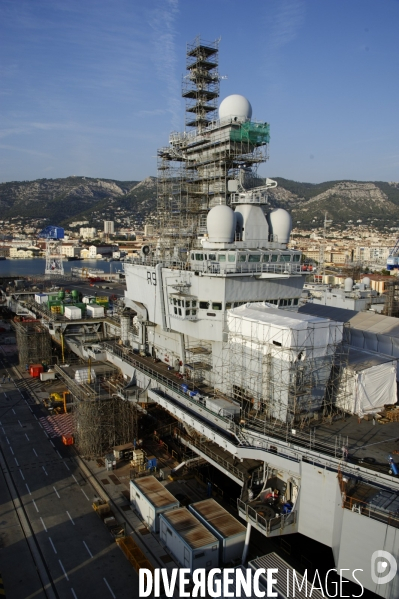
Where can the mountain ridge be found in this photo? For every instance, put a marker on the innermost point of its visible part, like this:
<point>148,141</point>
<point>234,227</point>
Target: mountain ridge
<point>63,200</point>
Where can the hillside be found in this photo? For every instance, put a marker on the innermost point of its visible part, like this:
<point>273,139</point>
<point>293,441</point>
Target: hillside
<point>344,201</point>
<point>61,201</point>
<point>64,200</point>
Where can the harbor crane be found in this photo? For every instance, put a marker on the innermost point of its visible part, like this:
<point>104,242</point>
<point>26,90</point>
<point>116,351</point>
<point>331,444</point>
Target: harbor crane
<point>53,237</point>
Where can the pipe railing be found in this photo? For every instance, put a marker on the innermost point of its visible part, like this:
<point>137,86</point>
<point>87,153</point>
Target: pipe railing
<point>280,521</point>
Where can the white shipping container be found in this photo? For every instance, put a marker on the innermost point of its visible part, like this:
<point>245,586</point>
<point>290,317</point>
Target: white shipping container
<point>188,540</point>
<point>150,498</point>
<point>93,311</point>
<point>41,298</point>
<point>47,376</point>
<point>222,407</point>
<point>227,529</point>
<point>73,313</point>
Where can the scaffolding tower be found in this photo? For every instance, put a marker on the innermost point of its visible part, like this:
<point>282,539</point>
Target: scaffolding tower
<point>34,343</point>
<point>198,365</point>
<point>194,170</point>
<point>104,414</point>
<point>103,423</point>
<point>391,307</point>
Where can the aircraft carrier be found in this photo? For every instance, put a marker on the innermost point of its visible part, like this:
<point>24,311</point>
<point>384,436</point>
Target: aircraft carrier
<point>209,330</point>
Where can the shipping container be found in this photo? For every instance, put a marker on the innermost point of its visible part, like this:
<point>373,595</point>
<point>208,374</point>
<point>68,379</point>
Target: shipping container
<point>190,543</point>
<point>223,407</point>
<point>227,529</point>
<point>94,311</point>
<point>47,376</point>
<point>41,298</point>
<point>73,313</point>
<point>67,439</point>
<point>35,370</point>
<point>150,499</point>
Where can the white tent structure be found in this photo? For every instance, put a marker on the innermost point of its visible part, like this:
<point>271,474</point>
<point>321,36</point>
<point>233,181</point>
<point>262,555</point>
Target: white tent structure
<point>279,362</point>
<point>368,384</point>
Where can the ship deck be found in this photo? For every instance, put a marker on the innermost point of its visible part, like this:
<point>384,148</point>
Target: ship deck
<point>348,438</point>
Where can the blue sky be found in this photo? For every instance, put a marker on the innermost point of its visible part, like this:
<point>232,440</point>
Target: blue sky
<point>92,87</point>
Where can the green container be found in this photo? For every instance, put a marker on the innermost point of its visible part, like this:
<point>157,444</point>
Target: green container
<point>61,295</point>
<point>62,308</point>
<point>75,293</point>
<point>54,303</point>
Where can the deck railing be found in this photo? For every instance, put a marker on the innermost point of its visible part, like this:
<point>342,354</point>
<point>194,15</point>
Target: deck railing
<point>280,521</point>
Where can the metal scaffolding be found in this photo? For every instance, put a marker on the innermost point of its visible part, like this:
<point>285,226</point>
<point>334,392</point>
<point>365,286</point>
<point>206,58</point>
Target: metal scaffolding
<point>103,423</point>
<point>287,378</point>
<point>105,413</point>
<point>391,307</point>
<point>34,343</point>
<point>194,170</point>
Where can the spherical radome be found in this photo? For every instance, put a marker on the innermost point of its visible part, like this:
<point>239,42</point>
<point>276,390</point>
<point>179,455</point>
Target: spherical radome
<point>280,224</point>
<point>348,284</point>
<point>220,224</point>
<point>235,106</point>
<point>366,280</point>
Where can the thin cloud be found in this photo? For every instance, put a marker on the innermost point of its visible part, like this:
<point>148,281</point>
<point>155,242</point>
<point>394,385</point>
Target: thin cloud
<point>163,24</point>
<point>286,23</point>
<point>24,150</point>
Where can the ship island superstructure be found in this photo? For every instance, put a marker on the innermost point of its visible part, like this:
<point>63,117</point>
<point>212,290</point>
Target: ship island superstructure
<point>210,331</point>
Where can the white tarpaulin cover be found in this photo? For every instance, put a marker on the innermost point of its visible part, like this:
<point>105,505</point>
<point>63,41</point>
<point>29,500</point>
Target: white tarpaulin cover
<point>368,384</point>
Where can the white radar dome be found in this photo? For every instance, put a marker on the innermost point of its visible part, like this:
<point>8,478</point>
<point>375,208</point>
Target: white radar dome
<point>235,106</point>
<point>280,225</point>
<point>366,281</point>
<point>348,284</point>
<point>220,223</point>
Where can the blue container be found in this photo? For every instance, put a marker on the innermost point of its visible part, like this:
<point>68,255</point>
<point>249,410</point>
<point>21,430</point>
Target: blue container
<point>193,393</point>
<point>185,388</point>
<point>152,463</point>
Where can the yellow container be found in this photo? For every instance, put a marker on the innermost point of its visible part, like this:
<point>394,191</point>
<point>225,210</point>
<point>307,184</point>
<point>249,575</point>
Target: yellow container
<point>56,309</point>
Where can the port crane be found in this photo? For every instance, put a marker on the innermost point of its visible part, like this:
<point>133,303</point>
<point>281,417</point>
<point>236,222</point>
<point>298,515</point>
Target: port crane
<point>393,257</point>
<point>53,237</point>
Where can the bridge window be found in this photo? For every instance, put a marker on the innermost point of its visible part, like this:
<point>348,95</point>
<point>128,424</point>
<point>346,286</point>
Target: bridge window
<point>254,258</point>
<point>216,305</point>
<point>199,256</point>
<point>285,258</point>
<point>274,257</point>
<point>222,257</point>
<point>266,258</point>
<point>232,257</point>
<point>296,257</point>
<point>212,256</point>
<point>242,258</point>
<point>204,305</point>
